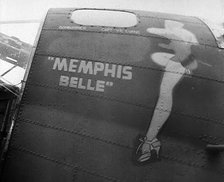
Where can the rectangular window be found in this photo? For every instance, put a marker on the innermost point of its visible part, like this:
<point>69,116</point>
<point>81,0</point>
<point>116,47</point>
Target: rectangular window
<point>108,18</point>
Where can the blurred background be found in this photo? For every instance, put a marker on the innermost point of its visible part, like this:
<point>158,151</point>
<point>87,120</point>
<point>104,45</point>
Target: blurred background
<point>20,19</point>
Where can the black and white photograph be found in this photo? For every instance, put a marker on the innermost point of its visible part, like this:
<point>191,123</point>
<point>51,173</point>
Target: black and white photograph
<point>111,90</point>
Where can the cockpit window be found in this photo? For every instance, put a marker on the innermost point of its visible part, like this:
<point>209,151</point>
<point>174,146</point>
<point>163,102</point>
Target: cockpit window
<point>95,17</point>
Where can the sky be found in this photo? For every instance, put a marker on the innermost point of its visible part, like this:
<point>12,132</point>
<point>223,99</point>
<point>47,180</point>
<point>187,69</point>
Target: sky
<point>11,10</point>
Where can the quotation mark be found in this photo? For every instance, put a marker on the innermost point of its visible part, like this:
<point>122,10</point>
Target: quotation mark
<point>50,58</point>
<point>109,84</point>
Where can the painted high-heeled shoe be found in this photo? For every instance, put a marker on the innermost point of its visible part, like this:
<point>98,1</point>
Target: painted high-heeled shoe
<point>154,145</point>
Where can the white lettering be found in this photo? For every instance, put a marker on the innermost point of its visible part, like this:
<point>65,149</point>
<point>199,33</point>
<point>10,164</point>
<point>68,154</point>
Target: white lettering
<point>119,68</point>
<point>73,82</point>
<point>106,29</point>
<point>132,31</point>
<point>91,68</point>
<point>80,84</point>
<point>60,64</point>
<point>108,70</point>
<point>72,27</point>
<point>98,67</point>
<point>89,87</point>
<point>127,70</point>
<point>100,85</point>
<point>73,65</point>
<point>64,81</point>
<point>86,67</point>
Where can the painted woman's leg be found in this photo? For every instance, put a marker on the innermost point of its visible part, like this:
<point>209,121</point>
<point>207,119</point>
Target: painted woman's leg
<point>161,58</point>
<point>173,73</point>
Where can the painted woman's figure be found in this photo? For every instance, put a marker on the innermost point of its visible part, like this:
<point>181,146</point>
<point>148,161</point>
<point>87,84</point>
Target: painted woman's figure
<point>175,66</point>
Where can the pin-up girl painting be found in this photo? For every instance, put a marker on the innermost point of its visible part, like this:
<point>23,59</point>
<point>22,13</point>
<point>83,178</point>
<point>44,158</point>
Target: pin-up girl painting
<point>175,66</point>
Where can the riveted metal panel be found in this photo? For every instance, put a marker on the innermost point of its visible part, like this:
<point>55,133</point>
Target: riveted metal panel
<point>59,21</point>
<point>53,170</point>
<point>80,121</point>
<point>136,50</point>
